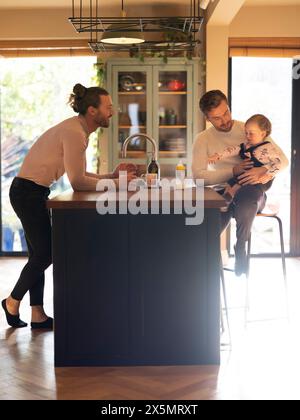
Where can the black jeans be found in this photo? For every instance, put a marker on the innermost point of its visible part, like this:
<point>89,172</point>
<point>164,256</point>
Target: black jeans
<point>248,201</point>
<point>29,202</point>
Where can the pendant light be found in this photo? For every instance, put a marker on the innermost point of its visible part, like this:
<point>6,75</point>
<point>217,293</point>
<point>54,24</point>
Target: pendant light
<point>118,34</point>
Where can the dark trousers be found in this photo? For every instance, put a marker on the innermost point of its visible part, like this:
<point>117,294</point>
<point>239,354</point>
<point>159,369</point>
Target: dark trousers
<point>29,203</point>
<point>248,201</point>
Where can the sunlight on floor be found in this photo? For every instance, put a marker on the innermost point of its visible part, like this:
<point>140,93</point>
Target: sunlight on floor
<point>263,362</point>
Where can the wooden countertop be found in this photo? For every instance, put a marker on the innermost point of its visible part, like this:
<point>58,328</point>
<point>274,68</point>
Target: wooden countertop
<point>88,200</point>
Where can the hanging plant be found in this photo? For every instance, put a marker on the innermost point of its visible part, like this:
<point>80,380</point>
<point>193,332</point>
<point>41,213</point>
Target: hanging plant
<point>172,34</point>
<point>98,80</point>
<point>100,73</point>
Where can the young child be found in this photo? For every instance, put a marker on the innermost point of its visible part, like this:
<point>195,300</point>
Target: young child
<point>258,148</point>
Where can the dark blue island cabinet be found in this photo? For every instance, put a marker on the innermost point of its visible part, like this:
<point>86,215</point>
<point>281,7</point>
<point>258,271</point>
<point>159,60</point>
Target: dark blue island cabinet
<point>135,289</point>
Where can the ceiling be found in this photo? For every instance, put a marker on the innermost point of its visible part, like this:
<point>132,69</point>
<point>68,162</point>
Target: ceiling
<point>54,4</point>
<point>272,2</point>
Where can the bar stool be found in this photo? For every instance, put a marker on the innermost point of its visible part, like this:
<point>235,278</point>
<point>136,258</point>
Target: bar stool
<point>225,309</point>
<point>271,214</point>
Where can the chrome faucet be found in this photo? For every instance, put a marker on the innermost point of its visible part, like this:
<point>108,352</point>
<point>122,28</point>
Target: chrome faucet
<point>152,141</point>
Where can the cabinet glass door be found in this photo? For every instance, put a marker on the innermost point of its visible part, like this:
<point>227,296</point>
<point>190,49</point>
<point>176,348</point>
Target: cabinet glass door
<point>156,99</point>
<point>172,114</point>
<point>131,102</point>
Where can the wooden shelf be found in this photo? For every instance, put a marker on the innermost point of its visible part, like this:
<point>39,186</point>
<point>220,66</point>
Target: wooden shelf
<point>172,126</point>
<point>142,153</point>
<point>134,154</point>
<point>173,93</point>
<point>132,126</point>
<point>144,127</point>
<point>172,152</point>
<point>132,93</point>
<point>161,93</point>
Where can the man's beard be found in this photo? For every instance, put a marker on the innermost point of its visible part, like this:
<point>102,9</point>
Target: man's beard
<point>102,122</point>
<point>226,128</point>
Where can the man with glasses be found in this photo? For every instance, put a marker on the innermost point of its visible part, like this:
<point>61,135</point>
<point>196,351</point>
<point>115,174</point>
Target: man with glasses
<point>224,133</point>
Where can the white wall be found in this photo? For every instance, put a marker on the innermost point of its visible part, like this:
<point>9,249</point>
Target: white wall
<point>280,21</point>
<point>250,22</point>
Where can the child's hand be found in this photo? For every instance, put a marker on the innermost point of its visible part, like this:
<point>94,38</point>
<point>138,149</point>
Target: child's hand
<point>214,158</point>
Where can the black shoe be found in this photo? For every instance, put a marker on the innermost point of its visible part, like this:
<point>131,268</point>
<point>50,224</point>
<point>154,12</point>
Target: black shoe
<point>48,324</point>
<point>13,320</point>
<point>241,261</point>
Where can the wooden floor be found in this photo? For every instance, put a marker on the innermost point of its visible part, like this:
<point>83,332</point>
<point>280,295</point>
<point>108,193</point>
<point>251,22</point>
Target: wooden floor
<point>263,363</point>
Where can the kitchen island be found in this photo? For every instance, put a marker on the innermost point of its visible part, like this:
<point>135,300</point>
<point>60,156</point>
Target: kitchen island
<point>135,289</point>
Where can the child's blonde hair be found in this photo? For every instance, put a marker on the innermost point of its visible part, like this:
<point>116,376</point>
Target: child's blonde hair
<point>263,122</point>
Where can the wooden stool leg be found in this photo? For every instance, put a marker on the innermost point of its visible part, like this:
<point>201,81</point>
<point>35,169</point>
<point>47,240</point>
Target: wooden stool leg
<point>247,304</point>
<point>283,263</point>
<point>247,300</point>
<point>248,255</point>
<point>225,302</point>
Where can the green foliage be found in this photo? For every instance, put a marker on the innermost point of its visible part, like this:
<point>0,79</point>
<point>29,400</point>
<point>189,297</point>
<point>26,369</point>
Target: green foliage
<point>172,34</point>
<point>98,79</point>
<point>34,96</point>
<point>99,73</point>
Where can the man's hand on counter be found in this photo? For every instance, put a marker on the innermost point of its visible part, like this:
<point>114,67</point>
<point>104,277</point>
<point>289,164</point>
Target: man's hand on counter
<point>129,167</point>
<point>131,170</point>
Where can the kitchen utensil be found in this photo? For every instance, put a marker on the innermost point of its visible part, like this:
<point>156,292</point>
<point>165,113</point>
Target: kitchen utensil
<point>127,83</point>
<point>176,85</point>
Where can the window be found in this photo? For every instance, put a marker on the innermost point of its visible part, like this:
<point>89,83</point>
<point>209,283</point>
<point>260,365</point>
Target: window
<point>34,95</point>
<point>264,85</point>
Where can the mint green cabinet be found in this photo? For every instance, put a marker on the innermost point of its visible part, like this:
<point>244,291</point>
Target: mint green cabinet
<point>158,99</point>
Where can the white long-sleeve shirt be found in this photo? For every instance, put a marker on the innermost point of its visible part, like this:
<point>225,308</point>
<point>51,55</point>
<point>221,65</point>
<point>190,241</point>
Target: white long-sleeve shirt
<point>212,141</point>
<point>266,153</point>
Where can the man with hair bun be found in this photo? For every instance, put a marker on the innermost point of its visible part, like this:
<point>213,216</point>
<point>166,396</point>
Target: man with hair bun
<point>60,150</point>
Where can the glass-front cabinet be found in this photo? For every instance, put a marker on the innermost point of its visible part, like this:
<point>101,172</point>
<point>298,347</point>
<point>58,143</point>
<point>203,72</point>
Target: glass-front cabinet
<point>158,100</point>
<point>171,127</point>
<point>131,98</point>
